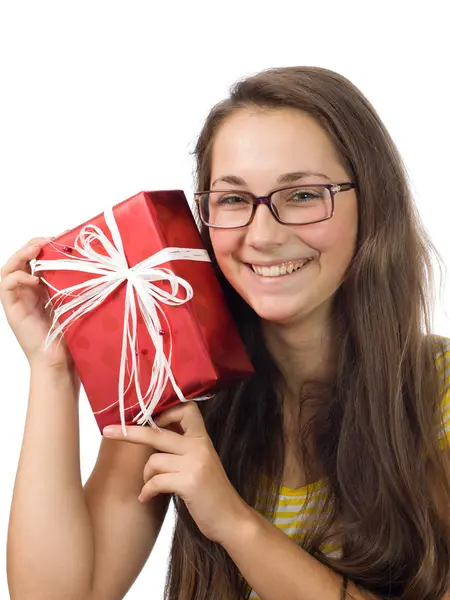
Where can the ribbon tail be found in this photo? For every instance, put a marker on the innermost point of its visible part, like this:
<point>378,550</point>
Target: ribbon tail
<point>164,371</point>
<point>123,360</point>
<point>158,380</point>
<point>85,303</point>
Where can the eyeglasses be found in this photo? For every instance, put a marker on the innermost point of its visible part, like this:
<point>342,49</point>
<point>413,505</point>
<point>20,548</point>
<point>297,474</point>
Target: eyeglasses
<point>299,205</point>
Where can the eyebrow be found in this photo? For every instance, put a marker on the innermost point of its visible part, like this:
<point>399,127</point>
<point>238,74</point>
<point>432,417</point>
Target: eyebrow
<point>285,178</point>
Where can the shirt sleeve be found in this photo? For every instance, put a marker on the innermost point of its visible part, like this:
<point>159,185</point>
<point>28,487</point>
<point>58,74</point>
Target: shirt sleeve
<point>443,365</point>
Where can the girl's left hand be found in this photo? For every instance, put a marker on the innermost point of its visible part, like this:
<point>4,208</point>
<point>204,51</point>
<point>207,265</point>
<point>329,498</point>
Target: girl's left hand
<point>187,465</point>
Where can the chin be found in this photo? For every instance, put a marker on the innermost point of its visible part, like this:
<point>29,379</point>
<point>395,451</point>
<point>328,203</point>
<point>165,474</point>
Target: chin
<point>278,312</point>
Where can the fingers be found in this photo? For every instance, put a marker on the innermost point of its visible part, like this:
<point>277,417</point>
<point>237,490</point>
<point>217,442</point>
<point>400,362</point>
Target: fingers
<point>162,440</point>
<point>187,415</point>
<point>161,463</point>
<point>20,260</point>
<point>10,286</point>
<point>18,279</point>
<point>164,483</point>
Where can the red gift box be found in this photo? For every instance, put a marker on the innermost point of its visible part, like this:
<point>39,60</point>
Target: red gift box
<point>207,352</point>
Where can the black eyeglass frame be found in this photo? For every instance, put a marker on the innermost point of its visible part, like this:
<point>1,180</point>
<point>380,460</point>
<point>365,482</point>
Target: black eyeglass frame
<point>333,188</point>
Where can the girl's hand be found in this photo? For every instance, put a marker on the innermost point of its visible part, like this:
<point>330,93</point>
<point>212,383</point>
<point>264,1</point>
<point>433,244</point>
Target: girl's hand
<point>187,465</point>
<point>23,297</point>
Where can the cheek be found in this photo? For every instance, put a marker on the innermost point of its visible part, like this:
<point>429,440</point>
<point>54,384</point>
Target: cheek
<point>225,244</point>
<point>334,240</point>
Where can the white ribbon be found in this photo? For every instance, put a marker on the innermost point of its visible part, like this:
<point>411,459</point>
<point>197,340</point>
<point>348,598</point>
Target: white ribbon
<point>111,271</point>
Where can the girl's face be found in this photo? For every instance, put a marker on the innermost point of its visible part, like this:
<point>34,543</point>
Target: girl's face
<point>260,147</point>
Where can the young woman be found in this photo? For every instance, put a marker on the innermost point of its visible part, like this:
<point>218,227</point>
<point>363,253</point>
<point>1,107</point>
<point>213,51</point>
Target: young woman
<point>324,476</point>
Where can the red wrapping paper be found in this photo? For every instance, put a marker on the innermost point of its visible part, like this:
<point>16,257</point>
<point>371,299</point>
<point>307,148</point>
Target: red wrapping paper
<point>207,351</point>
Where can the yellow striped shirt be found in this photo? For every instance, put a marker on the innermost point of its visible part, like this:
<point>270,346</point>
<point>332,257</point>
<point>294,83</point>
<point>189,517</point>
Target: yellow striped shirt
<point>293,516</point>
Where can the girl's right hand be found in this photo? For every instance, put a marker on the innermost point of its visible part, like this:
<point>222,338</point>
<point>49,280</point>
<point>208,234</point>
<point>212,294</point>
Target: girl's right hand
<point>24,297</point>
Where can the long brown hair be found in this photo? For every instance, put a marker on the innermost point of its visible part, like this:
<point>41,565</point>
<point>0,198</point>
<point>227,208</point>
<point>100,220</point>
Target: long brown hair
<point>375,429</point>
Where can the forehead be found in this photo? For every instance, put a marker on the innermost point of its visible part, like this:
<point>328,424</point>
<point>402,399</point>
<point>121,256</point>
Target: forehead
<point>262,144</point>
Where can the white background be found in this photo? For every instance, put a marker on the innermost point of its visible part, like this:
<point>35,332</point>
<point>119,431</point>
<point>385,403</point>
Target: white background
<point>101,100</point>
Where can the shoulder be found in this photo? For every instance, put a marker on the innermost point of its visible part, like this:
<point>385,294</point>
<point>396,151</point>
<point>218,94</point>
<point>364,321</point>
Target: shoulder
<point>443,370</point>
<point>443,366</point>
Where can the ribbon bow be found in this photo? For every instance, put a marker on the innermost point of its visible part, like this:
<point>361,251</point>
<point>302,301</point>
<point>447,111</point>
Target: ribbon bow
<point>111,270</point>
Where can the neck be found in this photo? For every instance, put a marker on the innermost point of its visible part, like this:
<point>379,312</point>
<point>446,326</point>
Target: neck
<point>302,350</point>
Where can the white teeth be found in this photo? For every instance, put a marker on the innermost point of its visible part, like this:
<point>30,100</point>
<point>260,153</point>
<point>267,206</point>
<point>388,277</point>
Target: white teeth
<point>277,270</point>
<point>274,271</point>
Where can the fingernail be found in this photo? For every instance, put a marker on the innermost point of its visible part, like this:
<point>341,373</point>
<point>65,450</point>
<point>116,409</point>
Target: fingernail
<point>111,430</point>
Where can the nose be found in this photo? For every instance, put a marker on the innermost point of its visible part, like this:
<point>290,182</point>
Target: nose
<point>264,231</point>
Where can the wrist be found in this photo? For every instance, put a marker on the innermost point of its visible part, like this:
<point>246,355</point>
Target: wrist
<point>45,359</point>
<point>245,522</point>
<point>63,371</point>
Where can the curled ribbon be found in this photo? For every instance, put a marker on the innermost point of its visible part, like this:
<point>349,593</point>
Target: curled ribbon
<point>111,270</point>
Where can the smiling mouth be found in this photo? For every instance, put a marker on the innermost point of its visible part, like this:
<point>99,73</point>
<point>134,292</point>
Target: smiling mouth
<point>282,269</point>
